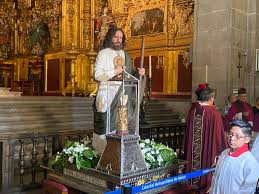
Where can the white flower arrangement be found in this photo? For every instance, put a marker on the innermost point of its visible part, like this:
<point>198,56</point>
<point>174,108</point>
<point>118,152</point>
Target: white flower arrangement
<point>80,153</point>
<point>156,154</point>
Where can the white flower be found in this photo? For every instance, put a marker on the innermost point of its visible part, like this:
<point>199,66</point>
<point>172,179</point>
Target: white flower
<point>145,150</point>
<point>70,159</point>
<point>142,145</point>
<point>80,148</point>
<point>147,140</point>
<point>150,157</point>
<point>153,151</point>
<point>68,151</point>
<point>160,159</point>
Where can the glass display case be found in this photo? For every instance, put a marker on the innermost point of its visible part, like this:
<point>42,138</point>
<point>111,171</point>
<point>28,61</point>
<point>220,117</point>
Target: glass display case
<point>123,105</point>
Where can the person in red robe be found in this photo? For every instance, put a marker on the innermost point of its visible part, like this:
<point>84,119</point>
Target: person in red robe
<point>241,109</point>
<point>204,137</point>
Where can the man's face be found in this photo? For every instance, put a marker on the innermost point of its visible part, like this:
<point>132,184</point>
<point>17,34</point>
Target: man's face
<point>233,98</point>
<point>117,40</point>
<point>242,97</point>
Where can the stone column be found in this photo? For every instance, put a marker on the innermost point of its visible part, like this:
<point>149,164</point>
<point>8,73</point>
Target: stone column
<point>221,32</point>
<point>252,77</point>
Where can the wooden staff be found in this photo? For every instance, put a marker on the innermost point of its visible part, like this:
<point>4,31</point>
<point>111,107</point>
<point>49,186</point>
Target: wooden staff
<point>142,55</point>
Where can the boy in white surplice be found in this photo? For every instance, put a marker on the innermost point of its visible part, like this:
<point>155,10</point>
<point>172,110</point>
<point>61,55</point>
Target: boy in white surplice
<point>237,170</point>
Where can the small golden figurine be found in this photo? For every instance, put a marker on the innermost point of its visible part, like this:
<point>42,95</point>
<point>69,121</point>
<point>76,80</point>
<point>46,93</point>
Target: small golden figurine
<point>123,116</point>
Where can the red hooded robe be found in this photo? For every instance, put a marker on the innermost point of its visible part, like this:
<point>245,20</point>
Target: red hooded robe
<point>204,140</point>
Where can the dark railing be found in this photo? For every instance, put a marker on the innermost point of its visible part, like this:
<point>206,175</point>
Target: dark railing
<point>32,129</point>
<point>31,153</point>
<point>170,135</point>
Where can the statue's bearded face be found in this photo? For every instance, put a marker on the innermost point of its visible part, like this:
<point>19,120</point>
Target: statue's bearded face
<point>117,40</point>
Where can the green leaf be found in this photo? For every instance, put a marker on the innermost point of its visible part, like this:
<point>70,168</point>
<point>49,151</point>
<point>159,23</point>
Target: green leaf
<point>88,154</point>
<point>85,164</point>
<point>60,163</point>
<point>68,144</point>
<point>166,154</point>
<point>78,166</point>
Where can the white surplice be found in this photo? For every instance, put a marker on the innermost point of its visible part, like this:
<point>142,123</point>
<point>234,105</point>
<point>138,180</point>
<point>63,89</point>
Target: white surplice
<point>235,175</point>
<point>255,148</point>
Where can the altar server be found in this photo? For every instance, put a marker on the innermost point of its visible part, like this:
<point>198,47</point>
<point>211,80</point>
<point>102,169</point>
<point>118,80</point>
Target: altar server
<point>237,171</point>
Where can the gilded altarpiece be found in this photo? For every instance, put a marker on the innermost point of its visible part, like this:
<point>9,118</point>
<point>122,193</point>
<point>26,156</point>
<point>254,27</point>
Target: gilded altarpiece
<point>69,45</point>
<point>76,49</point>
<point>167,27</point>
<point>33,30</point>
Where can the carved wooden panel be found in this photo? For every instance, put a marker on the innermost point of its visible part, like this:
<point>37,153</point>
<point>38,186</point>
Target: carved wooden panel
<point>184,75</point>
<point>53,75</point>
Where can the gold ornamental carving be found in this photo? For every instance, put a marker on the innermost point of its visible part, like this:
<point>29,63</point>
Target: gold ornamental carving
<point>71,13</point>
<point>19,16</point>
<point>180,18</point>
<point>186,59</point>
<point>120,20</point>
<point>48,12</point>
<point>123,115</point>
<point>86,27</point>
<point>99,5</point>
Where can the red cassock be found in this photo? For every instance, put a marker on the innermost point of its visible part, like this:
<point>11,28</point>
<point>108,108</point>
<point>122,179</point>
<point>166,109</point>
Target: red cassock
<point>240,107</point>
<point>204,139</point>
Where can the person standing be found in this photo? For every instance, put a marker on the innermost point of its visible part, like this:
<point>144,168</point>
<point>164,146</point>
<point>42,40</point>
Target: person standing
<point>241,109</point>
<point>111,61</point>
<point>255,148</point>
<point>231,99</point>
<point>204,137</point>
<point>237,170</point>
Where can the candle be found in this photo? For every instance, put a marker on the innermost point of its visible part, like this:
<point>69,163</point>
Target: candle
<point>206,73</point>
<point>150,67</point>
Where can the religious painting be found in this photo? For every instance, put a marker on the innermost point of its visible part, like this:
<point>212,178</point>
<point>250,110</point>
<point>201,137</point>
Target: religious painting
<point>147,22</point>
<point>39,36</point>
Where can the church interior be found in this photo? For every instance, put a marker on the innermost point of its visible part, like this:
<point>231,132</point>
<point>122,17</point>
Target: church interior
<point>48,50</point>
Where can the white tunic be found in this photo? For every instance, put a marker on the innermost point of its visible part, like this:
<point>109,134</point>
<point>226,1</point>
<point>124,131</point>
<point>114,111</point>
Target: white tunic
<point>103,71</point>
<point>255,148</point>
<point>235,175</point>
